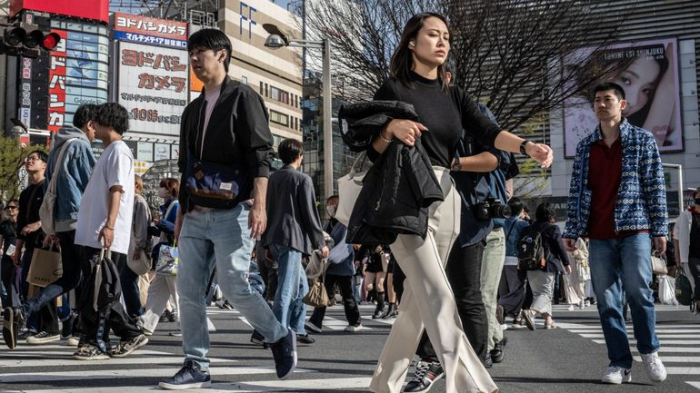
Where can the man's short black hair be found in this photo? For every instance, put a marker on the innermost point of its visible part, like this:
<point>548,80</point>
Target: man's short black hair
<point>213,39</point>
<point>289,150</point>
<point>84,114</point>
<point>619,91</point>
<point>545,211</point>
<point>41,154</point>
<point>113,115</point>
<point>516,206</point>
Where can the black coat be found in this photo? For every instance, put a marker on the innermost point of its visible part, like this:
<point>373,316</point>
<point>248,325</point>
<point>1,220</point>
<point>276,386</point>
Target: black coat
<point>553,245</point>
<point>401,185</point>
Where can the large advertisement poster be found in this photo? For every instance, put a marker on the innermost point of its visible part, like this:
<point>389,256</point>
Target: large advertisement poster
<point>153,87</point>
<point>78,70</point>
<point>648,72</point>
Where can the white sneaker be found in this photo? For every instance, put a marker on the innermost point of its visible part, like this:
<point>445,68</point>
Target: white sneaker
<point>353,328</point>
<point>617,375</point>
<point>571,308</point>
<point>655,368</point>
<point>73,341</point>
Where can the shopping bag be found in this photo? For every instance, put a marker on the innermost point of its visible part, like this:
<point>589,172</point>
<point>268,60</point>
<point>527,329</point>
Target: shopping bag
<point>667,293</point>
<point>45,268</point>
<point>317,296</point>
<point>583,270</point>
<point>349,187</point>
<point>139,266</point>
<point>168,258</point>
<point>658,265</point>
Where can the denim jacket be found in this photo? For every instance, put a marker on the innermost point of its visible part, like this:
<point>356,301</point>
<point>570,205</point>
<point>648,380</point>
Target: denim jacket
<point>73,175</point>
<point>641,201</point>
<point>513,229</point>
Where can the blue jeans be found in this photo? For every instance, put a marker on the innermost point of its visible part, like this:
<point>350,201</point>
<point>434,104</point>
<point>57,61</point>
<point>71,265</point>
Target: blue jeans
<point>292,286</point>
<point>218,238</point>
<point>619,267</point>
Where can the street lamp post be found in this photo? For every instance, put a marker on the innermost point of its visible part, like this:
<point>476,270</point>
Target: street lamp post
<point>277,40</point>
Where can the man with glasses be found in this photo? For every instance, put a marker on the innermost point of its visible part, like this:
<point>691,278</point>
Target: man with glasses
<point>8,236</point>
<point>30,236</point>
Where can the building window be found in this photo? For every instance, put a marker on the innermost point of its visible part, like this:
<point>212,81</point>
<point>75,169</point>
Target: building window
<point>261,88</point>
<point>266,95</point>
<point>244,80</point>
<point>279,118</point>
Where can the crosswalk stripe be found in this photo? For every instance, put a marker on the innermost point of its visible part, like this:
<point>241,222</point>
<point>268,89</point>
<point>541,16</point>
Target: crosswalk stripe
<point>389,321</point>
<point>683,370</point>
<point>660,336</point>
<point>127,373</point>
<point>675,359</point>
<point>663,342</point>
<point>308,385</point>
<point>67,360</point>
<point>693,384</point>
<point>70,350</point>
<point>682,331</point>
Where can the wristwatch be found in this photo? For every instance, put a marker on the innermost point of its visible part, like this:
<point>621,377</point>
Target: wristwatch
<point>522,147</point>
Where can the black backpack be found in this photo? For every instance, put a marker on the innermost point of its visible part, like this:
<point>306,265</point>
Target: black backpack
<point>684,292</point>
<point>531,254</point>
<point>108,289</point>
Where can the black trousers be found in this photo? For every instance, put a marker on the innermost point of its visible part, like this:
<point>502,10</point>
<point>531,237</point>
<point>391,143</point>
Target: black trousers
<point>8,272</point>
<point>116,317</point>
<point>464,273</point>
<point>512,289</point>
<point>694,267</point>
<point>352,312</point>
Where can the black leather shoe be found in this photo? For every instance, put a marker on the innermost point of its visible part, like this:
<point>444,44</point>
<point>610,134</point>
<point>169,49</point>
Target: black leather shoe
<point>498,351</point>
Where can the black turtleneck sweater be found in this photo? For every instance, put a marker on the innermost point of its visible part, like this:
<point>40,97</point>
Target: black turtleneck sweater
<point>444,114</point>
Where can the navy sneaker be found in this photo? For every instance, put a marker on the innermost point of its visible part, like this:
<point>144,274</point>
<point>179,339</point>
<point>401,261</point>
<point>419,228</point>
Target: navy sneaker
<point>190,376</point>
<point>285,353</point>
<point>425,376</point>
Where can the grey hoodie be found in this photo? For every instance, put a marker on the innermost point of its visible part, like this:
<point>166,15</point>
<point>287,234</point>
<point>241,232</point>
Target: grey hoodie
<point>73,175</point>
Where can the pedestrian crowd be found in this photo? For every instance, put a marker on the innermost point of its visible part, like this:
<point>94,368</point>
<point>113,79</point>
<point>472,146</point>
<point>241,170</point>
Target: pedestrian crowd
<point>438,242</point>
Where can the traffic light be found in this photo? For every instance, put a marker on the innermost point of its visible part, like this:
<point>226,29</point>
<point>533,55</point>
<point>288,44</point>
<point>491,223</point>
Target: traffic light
<point>22,39</point>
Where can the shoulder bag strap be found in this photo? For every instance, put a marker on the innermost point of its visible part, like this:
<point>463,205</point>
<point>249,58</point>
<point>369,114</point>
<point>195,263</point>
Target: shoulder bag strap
<point>59,162</point>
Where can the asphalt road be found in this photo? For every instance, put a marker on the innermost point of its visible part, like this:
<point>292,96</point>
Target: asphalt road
<point>569,359</point>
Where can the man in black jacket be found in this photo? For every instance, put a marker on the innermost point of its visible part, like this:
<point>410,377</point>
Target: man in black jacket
<point>225,157</point>
<point>295,229</point>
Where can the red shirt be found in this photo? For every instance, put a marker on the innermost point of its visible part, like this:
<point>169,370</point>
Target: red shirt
<point>605,172</point>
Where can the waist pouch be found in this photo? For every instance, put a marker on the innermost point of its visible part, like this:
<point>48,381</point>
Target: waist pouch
<point>215,185</point>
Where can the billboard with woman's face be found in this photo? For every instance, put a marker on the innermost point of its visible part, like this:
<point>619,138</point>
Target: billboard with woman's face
<point>648,72</point>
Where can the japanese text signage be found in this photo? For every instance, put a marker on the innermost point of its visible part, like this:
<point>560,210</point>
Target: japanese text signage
<point>78,70</point>
<point>153,84</point>
<point>150,30</point>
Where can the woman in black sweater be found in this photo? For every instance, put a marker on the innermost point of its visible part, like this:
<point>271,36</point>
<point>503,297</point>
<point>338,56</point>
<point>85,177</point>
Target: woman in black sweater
<point>418,78</point>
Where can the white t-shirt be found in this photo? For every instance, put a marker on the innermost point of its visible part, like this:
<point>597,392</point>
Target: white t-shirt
<point>115,167</point>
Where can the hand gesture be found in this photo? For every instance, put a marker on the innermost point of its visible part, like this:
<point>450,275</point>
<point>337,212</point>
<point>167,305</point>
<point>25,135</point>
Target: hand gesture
<point>570,244</point>
<point>407,131</point>
<point>106,236</point>
<point>257,222</point>
<point>540,153</point>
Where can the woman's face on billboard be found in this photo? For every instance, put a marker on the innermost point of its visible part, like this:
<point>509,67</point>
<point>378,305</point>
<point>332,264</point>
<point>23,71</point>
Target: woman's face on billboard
<point>638,81</point>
